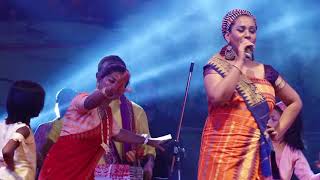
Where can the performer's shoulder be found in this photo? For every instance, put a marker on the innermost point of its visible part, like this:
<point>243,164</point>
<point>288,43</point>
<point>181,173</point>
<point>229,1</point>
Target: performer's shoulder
<point>136,106</point>
<point>215,58</point>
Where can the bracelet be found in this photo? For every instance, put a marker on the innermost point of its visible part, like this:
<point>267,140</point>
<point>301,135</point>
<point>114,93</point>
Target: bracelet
<point>237,68</point>
<point>146,140</point>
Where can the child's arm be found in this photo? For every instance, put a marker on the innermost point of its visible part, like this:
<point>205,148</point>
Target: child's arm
<point>302,168</point>
<point>12,145</point>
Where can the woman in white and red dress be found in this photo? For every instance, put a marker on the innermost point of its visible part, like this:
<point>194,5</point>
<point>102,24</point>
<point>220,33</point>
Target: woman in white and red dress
<point>88,127</point>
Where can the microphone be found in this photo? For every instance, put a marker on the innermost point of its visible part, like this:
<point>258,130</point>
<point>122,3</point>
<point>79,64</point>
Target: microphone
<point>249,52</point>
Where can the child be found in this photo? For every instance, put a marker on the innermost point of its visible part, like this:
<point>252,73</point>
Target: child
<point>288,149</point>
<point>18,158</point>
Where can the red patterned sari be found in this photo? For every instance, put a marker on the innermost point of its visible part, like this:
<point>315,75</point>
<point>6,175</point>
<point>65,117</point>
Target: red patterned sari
<point>75,156</point>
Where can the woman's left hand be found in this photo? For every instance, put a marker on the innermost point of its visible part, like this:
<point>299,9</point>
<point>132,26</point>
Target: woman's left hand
<point>272,133</point>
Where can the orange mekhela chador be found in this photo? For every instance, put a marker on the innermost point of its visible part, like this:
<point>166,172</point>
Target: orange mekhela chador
<point>230,141</point>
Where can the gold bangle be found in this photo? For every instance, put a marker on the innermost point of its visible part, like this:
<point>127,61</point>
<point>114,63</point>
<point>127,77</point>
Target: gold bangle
<point>237,68</point>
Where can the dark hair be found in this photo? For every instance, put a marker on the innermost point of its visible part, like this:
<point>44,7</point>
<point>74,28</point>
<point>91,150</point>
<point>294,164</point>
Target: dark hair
<point>110,64</point>
<point>110,69</point>
<point>25,100</point>
<point>293,136</point>
<point>112,59</point>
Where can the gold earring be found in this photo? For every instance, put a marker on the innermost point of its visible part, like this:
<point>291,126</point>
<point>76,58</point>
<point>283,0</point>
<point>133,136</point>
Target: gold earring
<point>229,53</point>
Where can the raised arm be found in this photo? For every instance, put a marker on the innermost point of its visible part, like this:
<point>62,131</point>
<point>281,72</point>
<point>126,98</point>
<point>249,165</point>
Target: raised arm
<point>109,88</point>
<point>294,104</point>
<point>220,89</point>
<point>95,99</point>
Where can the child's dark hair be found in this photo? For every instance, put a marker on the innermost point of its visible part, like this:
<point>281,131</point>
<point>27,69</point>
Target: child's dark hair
<point>25,100</point>
<point>293,136</point>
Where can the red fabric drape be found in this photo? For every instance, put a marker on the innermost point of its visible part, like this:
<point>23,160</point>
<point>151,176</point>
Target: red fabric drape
<point>74,156</point>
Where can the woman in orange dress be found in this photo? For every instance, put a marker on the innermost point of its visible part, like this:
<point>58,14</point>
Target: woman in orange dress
<point>241,93</point>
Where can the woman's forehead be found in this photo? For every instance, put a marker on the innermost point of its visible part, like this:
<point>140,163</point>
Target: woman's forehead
<point>244,21</point>
<point>116,74</point>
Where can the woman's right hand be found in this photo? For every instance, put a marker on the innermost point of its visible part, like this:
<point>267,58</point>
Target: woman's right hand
<point>115,90</point>
<point>242,50</point>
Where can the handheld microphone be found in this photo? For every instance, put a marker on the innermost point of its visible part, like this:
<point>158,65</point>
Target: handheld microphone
<point>249,52</point>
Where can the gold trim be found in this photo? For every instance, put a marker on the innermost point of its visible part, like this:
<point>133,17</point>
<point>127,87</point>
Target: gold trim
<point>245,86</point>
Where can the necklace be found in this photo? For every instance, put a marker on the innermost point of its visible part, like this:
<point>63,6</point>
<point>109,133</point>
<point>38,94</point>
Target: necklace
<point>101,112</point>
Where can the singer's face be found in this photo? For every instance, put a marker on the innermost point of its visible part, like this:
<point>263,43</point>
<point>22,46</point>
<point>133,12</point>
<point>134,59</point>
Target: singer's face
<point>243,28</point>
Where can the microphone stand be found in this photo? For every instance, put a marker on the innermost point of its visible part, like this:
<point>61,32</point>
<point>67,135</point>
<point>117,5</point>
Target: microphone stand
<point>178,150</point>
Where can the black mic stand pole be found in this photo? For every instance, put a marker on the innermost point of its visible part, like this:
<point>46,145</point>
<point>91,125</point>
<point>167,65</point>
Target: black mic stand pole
<point>178,151</point>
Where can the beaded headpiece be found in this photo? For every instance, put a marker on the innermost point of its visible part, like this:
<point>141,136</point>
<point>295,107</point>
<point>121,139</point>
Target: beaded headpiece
<point>232,15</point>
